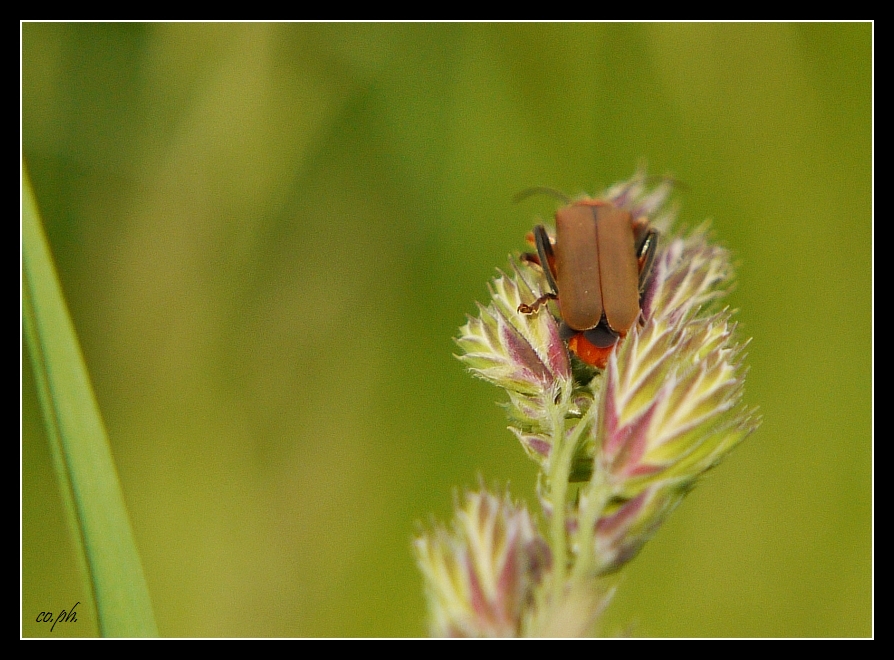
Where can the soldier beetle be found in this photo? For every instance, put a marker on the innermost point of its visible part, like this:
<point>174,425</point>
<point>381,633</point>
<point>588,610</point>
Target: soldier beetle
<point>596,268</point>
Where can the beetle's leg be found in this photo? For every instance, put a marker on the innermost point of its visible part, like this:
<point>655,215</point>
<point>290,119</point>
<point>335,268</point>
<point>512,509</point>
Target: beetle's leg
<point>545,252</point>
<point>534,306</point>
<point>545,259</point>
<point>641,231</point>
<point>530,258</point>
<point>645,255</point>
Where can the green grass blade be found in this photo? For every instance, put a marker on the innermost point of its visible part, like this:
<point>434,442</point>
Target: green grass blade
<point>85,471</point>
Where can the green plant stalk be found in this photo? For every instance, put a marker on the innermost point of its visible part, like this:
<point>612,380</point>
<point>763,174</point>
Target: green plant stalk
<point>595,497</point>
<point>565,449</point>
<point>85,471</point>
<point>559,471</point>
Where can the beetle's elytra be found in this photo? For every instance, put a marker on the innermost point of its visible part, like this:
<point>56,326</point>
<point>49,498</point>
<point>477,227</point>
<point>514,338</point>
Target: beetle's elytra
<point>597,267</point>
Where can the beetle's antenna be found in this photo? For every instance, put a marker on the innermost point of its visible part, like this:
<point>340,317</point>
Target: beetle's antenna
<point>541,190</point>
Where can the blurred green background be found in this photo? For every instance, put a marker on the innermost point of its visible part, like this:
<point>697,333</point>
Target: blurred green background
<point>268,236</point>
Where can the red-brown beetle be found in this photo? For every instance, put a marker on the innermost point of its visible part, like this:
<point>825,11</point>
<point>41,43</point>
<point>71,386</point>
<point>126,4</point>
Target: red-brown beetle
<point>597,268</point>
